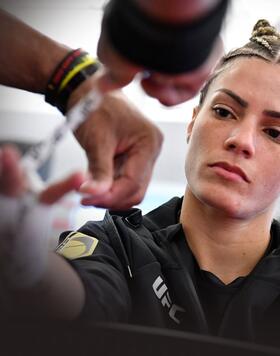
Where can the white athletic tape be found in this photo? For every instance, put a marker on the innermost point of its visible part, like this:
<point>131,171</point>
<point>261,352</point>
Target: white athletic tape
<point>24,235</point>
<point>40,152</point>
<point>24,223</point>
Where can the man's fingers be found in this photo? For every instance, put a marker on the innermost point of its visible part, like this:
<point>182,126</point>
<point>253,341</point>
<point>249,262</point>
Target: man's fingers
<point>56,191</point>
<point>110,80</point>
<point>168,95</point>
<point>124,194</point>
<point>129,187</point>
<point>172,91</point>
<point>118,70</point>
<point>100,157</point>
<point>121,145</point>
<point>176,89</point>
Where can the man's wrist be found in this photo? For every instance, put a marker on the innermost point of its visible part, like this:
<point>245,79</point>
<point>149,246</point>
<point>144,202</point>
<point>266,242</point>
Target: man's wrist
<point>71,71</point>
<point>51,56</point>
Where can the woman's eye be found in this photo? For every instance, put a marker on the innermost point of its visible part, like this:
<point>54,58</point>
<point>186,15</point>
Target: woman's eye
<point>273,133</point>
<point>222,113</point>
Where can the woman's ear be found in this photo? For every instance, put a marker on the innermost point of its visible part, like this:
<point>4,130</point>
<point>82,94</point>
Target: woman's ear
<point>190,125</point>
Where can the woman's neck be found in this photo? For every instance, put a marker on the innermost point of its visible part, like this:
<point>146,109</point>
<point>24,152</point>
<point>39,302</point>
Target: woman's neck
<point>223,245</point>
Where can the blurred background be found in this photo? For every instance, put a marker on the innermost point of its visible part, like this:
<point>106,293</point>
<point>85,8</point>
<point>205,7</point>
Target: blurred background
<point>26,118</point>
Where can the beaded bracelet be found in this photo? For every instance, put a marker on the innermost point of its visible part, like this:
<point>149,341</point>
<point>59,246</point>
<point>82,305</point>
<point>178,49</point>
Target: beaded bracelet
<point>75,68</point>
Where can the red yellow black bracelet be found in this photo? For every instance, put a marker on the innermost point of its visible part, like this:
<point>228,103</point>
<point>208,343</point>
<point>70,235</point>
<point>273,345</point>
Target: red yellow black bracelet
<point>75,68</point>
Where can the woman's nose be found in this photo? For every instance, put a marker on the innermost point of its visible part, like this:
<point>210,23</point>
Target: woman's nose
<point>242,141</point>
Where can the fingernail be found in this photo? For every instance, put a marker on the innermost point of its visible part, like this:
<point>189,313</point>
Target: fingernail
<point>93,187</point>
<point>86,196</point>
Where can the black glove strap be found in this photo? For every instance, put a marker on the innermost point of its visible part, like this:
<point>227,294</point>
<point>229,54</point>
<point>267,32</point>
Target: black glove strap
<point>167,48</point>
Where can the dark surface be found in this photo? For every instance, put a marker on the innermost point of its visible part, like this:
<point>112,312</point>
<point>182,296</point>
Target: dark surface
<point>65,339</point>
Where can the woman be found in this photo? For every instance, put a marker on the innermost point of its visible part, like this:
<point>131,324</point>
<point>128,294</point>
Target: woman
<point>204,264</point>
<point>209,262</point>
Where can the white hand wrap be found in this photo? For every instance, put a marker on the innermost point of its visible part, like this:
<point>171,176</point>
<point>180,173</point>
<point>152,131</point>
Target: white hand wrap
<point>23,241</point>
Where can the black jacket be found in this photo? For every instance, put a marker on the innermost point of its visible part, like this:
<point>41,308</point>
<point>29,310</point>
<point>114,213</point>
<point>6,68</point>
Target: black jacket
<point>142,272</point>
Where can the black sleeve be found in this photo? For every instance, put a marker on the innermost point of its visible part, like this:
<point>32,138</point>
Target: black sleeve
<point>104,279</point>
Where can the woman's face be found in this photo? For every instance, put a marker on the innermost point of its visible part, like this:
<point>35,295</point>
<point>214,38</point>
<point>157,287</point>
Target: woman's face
<point>233,161</point>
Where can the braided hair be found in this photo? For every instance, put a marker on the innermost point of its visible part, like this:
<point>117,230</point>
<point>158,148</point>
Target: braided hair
<point>264,43</point>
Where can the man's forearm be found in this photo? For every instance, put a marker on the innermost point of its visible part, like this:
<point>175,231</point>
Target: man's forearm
<point>59,295</point>
<point>27,57</point>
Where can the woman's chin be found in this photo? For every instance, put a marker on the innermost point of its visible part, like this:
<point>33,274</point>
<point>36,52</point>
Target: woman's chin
<point>228,205</point>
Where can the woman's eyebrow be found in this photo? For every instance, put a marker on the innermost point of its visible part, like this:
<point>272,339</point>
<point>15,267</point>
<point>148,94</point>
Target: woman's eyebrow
<point>235,97</point>
<point>272,113</point>
<point>245,104</point>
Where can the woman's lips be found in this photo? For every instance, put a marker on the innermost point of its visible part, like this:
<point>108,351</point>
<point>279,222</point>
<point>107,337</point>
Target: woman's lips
<point>229,171</point>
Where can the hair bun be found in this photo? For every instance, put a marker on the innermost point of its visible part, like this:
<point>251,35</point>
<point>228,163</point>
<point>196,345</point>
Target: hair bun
<point>264,34</point>
<point>263,28</point>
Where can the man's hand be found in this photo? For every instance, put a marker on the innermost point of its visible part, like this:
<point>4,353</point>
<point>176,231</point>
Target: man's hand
<point>13,182</point>
<point>121,146</point>
<point>176,89</point>
<point>169,89</point>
